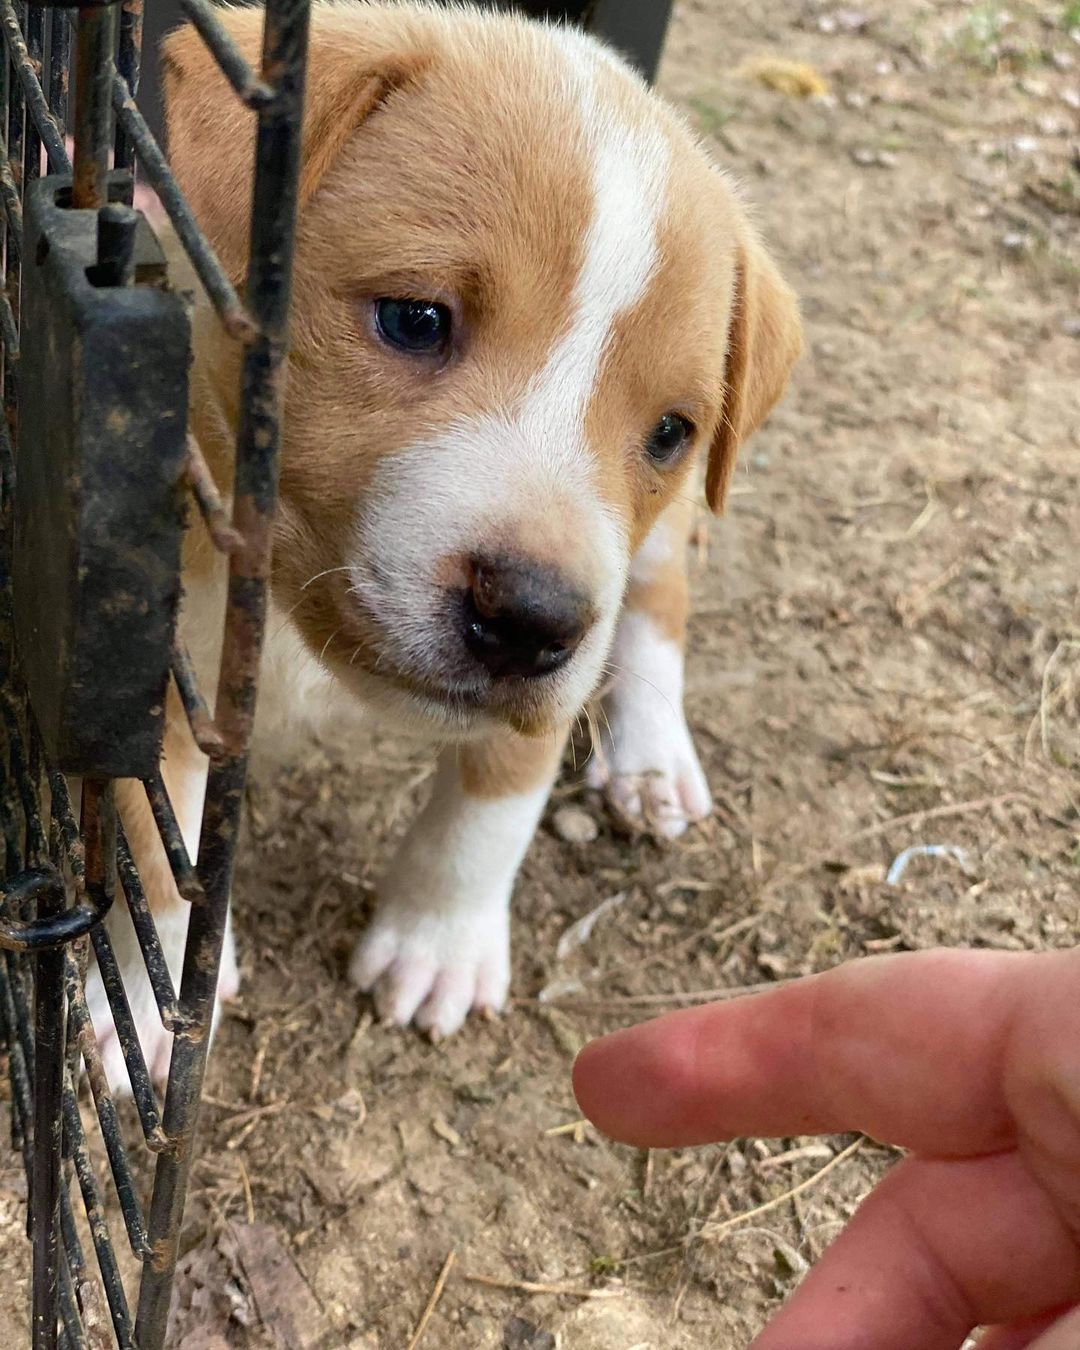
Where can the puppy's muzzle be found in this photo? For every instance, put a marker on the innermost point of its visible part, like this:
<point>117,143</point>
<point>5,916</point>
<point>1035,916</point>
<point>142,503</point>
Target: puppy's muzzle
<point>523,619</point>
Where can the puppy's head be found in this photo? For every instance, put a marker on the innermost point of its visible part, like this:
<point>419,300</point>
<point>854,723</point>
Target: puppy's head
<point>523,303</point>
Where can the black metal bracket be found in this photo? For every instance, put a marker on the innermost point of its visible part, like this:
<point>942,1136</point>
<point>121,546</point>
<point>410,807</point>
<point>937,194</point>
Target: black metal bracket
<point>98,493</point>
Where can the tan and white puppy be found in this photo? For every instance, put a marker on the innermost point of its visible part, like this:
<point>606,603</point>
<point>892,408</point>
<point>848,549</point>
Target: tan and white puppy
<point>524,304</point>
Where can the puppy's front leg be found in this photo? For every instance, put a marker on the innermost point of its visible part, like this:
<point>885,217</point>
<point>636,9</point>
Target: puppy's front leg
<point>647,764</point>
<point>439,944</point>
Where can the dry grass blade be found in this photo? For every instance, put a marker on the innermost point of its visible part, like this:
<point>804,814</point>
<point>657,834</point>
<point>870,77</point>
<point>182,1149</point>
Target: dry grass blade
<point>532,1287</point>
<point>433,1301</point>
<point>724,1225</point>
<point>715,1229</point>
<point>652,1000</point>
<point>1051,698</point>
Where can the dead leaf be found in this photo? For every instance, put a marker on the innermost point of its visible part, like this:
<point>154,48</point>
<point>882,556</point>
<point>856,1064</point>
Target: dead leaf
<point>795,78</point>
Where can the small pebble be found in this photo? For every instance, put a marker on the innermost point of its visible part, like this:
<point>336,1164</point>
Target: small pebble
<point>574,825</point>
<point>1071,326</point>
<point>867,158</point>
<point>1051,126</point>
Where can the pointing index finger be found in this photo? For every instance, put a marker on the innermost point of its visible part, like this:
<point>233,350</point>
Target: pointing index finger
<point>905,1048</point>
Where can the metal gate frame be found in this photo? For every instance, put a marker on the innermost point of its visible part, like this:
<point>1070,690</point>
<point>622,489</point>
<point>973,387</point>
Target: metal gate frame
<point>59,872</point>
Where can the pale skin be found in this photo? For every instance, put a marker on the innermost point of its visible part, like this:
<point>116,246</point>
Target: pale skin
<point>969,1060</point>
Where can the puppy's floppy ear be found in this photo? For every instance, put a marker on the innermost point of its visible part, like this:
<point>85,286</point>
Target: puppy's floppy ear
<point>764,342</point>
<point>212,134</point>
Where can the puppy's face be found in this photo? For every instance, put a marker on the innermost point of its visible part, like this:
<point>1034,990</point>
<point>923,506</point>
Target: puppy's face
<point>523,302</point>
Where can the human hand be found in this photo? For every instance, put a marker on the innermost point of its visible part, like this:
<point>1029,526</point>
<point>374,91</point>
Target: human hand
<point>971,1060</point>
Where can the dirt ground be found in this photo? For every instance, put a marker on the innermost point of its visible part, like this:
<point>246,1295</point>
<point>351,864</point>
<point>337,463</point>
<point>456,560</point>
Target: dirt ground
<point>884,653</point>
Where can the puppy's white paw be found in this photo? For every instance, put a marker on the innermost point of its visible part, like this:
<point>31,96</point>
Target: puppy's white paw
<point>651,776</point>
<point>646,763</point>
<point>434,965</point>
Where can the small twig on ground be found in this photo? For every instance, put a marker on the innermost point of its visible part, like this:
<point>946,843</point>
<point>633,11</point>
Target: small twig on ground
<point>573,1127</point>
<point>719,1228</point>
<point>532,1287</point>
<point>433,1301</point>
<point>715,1229</point>
<point>249,1199</point>
<point>253,1119</point>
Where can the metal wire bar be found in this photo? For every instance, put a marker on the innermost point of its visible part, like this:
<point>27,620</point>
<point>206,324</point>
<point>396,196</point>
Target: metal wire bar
<point>45,1169</point>
<point>207,737</point>
<point>12,202</point>
<point>13,145</point>
<point>108,1119</point>
<point>127,67</point>
<point>38,844</point>
<point>9,332</point>
<point>24,1022</point>
<point>48,128</point>
<point>209,501</point>
<point>73,1272</point>
<point>95,1214</point>
<point>12,1023</point>
<point>157,968</point>
<point>59,40</point>
<point>127,1034</point>
<point>277,165</point>
<point>251,90</point>
<point>184,873</point>
<point>95,43</point>
<point>34,30</point>
<point>237,322</point>
<point>63,815</point>
<point>19,1063</point>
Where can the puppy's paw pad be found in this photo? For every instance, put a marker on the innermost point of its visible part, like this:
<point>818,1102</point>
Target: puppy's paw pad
<point>433,970</point>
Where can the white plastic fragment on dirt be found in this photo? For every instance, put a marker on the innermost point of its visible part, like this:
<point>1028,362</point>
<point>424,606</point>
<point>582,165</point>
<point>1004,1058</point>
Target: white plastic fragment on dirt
<point>900,862</point>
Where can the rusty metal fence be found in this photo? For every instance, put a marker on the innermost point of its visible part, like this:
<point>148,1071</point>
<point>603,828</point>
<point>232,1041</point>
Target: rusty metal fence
<point>94,467</point>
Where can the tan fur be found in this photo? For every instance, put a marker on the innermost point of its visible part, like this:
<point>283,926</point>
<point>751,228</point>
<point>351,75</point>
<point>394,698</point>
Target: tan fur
<point>506,764</point>
<point>764,343</point>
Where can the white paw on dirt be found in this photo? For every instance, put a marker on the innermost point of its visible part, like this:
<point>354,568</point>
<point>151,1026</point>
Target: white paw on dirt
<point>434,966</point>
<point>649,771</point>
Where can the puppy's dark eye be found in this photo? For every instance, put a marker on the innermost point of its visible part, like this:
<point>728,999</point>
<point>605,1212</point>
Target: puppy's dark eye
<point>668,437</point>
<point>421,326</point>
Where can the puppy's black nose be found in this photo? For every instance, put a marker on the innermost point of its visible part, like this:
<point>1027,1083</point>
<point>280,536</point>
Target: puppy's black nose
<point>523,618</point>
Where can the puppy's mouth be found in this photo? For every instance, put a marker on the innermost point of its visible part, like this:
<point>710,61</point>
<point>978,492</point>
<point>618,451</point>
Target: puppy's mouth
<point>494,639</point>
<point>529,706</point>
